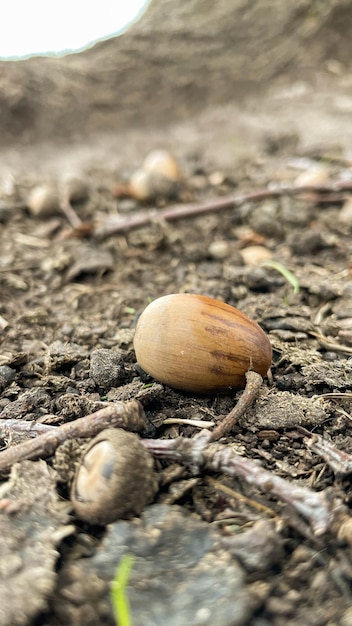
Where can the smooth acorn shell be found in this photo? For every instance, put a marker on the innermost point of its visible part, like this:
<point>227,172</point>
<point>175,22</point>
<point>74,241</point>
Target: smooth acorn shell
<point>198,344</point>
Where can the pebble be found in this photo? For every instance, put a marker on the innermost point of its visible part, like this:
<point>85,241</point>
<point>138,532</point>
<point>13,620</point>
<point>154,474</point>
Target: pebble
<point>7,375</point>
<point>255,255</point>
<point>107,368</point>
<point>219,249</point>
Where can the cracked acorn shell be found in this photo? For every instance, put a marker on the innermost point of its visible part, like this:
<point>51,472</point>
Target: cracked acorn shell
<point>198,344</point>
<point>115,478</point>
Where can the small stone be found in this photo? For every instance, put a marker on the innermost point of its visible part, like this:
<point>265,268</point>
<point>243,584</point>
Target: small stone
<point>255,255</point>
<point>107,368</point>
<point>7,375</point>
<point>126,205</point>
<point>219,249</point>
<point>216,178</point>
<point>258,548</point>
<point>265,220</point>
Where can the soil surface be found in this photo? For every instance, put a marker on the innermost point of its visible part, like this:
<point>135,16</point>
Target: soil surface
<point>216,546</point>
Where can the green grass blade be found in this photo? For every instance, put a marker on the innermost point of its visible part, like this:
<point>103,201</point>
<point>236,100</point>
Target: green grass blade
<point>291,278</point>
<point>118,592</point>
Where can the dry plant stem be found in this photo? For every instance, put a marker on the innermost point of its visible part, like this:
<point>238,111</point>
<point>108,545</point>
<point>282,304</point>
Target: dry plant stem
<point>68,210</point>
<point>199,455</point>
<point>253,383</point>
<point>117,225</point>
<point>127,415</point>
<point>218,486</point>
<point>8,426</point>
<point>329,344</point>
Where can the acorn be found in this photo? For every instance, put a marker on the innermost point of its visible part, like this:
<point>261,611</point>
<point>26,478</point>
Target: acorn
<point>159,176</point>
<point>115,478</point>
<point>163,163</point>
<point>44,200</point>
<point>198,344</point>
<point>314,177</point>
<point>139,186</point>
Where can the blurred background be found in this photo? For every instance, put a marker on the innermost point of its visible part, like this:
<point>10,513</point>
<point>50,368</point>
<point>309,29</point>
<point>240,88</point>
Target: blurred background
<point>229,78</point>
<point>40,27</point>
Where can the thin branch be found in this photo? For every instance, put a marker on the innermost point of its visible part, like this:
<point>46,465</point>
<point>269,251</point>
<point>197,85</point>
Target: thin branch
<point>218,486</point>
<point>8,426</point>
<point>115,225</point>
<point>199,455</point>
<point>329,344</point>
<point>68,210</point>
<point>127,415</point>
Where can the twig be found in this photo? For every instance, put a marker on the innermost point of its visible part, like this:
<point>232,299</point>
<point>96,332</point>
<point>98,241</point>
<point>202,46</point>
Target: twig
<point>335,395</point>
<point>68,210</point>
<point>128,415</point>
<point>113,226</point>
<point>33,429</point>
<point>339,461</point>
<point>199,455</point>
<point>218,486</point>
<point>329,344</point>
<point>253,383</point>
<point>188,422</point>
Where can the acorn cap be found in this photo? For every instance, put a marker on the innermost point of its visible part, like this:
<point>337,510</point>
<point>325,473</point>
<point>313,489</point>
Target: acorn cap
<point>115,478</point>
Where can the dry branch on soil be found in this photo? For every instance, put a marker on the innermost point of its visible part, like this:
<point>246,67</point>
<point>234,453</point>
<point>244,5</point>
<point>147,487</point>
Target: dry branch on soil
<point>112,226</point>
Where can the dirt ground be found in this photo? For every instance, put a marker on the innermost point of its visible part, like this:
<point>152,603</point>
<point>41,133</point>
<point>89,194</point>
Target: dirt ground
<point>212,548</point>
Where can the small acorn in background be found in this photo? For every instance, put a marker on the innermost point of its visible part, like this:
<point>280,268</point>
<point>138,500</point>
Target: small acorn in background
<point>162,162</point>
<point>44,200</point>
<point>115,478</point>
<point>159,177</point>
<point>198,344</point>
<point>313,177</point>
<point>139,186</point>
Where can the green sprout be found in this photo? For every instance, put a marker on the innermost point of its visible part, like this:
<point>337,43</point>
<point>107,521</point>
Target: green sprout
<point>147,385</point>
<point>291,278</point>
<point>118,591</point>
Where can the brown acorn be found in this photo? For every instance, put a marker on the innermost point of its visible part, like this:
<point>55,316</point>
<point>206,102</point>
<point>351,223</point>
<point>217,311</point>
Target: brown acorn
<point>198,344</point>
<point>159,176</point>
